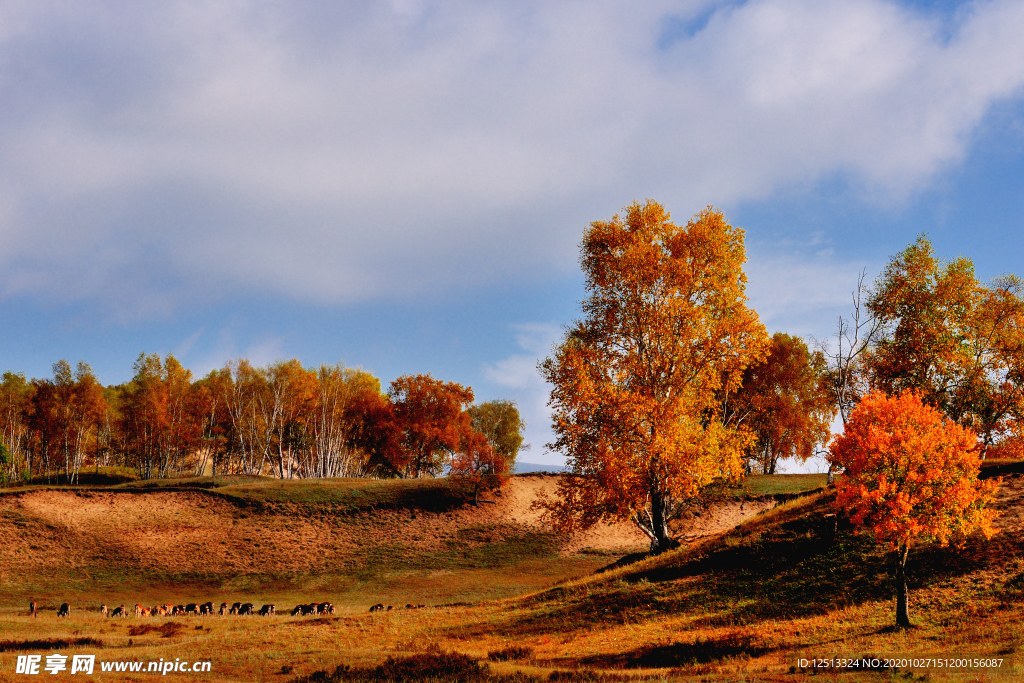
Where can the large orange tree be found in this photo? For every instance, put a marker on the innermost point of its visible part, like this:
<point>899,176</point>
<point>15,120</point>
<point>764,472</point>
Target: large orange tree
<point>637,383</point>
<point>909,474</point>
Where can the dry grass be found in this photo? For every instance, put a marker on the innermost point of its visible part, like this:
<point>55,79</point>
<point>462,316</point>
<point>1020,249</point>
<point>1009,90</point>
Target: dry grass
<point>505,598</point>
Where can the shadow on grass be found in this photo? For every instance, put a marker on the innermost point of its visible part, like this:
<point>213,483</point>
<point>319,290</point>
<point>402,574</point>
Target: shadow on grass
<point>701,651</point>
<point>436,666</point>
<point>48,644</point>
<point>787,565</point>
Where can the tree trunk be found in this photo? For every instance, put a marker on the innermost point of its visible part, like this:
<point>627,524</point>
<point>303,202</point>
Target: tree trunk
<point>660,538</point>
<point>902,612</point>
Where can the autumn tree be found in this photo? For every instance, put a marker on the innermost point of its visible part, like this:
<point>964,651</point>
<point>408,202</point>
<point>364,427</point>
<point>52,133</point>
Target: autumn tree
<point>62,415</point>
<point>429,414</point>
<point>492,436</point>
<point>216,434</point>
<point>15,394</point>
<point>784,401</point>
<point>337,414</point>
<point>293,394</point>
<point>909,474</point>
<point>375,432</point>
<point>638,382</point>
<point>957,343</point>
<point>160,422</point>
<point>500,423</point>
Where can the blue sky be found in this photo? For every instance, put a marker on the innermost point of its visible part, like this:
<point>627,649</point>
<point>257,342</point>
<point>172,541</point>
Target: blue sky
<point>401,185</point>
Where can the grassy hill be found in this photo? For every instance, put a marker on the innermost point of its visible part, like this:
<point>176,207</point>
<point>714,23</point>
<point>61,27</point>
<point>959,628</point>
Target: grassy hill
<point>744,604</point>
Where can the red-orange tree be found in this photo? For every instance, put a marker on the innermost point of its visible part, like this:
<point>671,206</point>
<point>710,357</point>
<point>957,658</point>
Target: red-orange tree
<point>909,474</point>
<point>784,401</point>
<point>429,415</point>
<point>637,384</point>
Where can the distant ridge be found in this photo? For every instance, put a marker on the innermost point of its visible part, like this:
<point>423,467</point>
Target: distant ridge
<point>522,467</point>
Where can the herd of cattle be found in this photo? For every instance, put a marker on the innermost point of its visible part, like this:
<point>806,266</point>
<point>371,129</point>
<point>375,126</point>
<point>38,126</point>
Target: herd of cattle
<point>242,608</point>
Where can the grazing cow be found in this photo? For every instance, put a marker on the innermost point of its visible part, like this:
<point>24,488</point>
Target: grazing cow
<point>169,609</point>
<point>234,608</point>
<point>117,611</point>
<point>157,611</point>
<point>266,610</point>
<point>309,609</point>
<point>409,605</point>
<point>178,610</point>
<point>297,611</point>
<point>103,610</point>
<point>145,612</point>
<point>377,608</point>
<point>191,608</point>
<point>223,608</point>
<point>33,609</point>
<point>245,609</point>
<point>325,608</point>
<point>64,611</point>
<point>138,610</point>
<point>206,608</point>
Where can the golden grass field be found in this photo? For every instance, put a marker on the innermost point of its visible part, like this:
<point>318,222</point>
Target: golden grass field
<point>756,587</point>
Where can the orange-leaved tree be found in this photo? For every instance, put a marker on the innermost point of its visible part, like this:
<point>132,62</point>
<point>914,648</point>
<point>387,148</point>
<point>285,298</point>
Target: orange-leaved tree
<point>785,402</point>
<point>429,413</point>
<point>953,340</point>
<point>909,473</point>
<point>637,383</point>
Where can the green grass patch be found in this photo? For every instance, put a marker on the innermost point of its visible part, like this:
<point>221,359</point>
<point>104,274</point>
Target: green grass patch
<point>774,484</point>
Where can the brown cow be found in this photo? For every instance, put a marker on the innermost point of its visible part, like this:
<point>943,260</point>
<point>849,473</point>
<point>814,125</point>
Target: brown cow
<point>64,611</point>
<point>103,610</point>
<point>33,609</point>
<point>138,610</point>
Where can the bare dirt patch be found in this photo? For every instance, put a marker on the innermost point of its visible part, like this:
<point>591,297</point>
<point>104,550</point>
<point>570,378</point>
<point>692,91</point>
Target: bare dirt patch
<point>197,532</point>
<point>1009,504</point>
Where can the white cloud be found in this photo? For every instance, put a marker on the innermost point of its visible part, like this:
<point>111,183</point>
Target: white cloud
<point>518,374</point>
<point>802,293</point>
<point>337,153</point>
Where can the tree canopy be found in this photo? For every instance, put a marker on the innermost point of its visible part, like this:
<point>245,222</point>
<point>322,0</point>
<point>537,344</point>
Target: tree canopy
<point>955,341</point>
<point>909,474</point>
<point>784,401</point>
<point>637,382</point>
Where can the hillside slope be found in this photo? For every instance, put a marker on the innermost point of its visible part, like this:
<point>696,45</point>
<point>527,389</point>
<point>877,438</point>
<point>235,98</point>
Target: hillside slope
<point>273,537</point>
<point>785,586</point>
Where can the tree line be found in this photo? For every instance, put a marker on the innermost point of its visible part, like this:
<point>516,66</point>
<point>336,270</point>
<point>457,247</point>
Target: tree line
<point>281,419</point>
